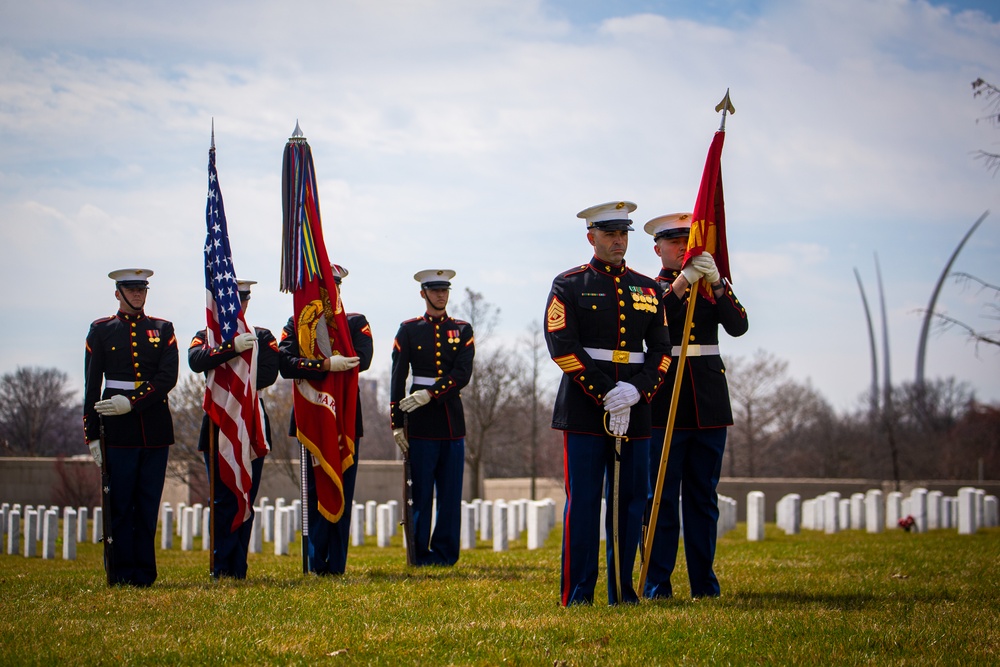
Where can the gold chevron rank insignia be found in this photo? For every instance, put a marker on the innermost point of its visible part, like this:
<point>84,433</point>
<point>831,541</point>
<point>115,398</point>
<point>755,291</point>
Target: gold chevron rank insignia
<point>555,317</point>
<point>665,364</point>
<point>569,363</point>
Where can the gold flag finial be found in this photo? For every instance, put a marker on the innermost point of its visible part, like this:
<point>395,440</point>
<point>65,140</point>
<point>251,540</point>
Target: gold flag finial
<point>725,106</point>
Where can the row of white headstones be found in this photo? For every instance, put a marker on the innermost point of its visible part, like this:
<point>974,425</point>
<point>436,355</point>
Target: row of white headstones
<point>967,512</point>
<point>501,522</point>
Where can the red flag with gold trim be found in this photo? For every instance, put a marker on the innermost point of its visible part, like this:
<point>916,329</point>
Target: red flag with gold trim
<point>708,227</point>
<point>325,410</point>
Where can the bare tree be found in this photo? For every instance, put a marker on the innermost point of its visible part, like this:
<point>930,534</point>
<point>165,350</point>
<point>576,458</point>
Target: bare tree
<point>187,411</point>
<point>752,389</point>
<point>490,391</point>
<point>991,308</point>
<point>37,415</point>
<point>991,94</point>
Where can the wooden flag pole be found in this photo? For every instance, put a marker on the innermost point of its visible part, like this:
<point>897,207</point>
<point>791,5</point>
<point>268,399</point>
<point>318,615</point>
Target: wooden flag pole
<point>211,499</point>
<point>654,511</point>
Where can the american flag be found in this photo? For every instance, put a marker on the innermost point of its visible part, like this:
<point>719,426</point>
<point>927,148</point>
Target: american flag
<point>230,390</point>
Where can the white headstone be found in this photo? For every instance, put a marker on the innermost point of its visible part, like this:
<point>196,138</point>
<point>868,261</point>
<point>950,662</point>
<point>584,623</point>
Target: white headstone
<point>197,527</point>
<point>874,511</point>
<point>980,498</point>
<point>831,513</point>
<point>264,501</point>
<point>97,531</point>
<point>918,509</point>
<point>167,520</point>
<point>947,505</point>
<point>69,534</point>
<point>205,519</point>
<point>513,529</point>
<point>755,516</point>
<point>394,516</point>
<point>934,510</point>
<point>486,521</point>
<point>357,525</point>
<point>893,509</point>
<point>81,524</point>
<point>371,517</point>
<point>383,527</point>
<point>180,518</point>
<point>269,517</point>
<point>467,532</point>
<point>4,517</point>
<point>13,532</point>
<point>788,513</point>
<point>991,518</point>
<point>256,545</point>
<point>501,519</point>
<point>809,514</point>
<point>297,515</point>
<point>477,509</point>
<point>858,511</point>
<point>49,533</point>
<point>40,512</point>
<point>536,526</point>
<point>966,511</point>
<point>30,543</point>
<point>187,529</point>
<point>727,515</point>
<point>844,513</point>
<point>281,520</point>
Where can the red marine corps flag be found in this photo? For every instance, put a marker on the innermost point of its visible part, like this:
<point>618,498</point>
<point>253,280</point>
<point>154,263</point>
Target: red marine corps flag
<point>324,409</point>
<point>708,227</point>
<point>708,234</point>
<point>230,389</point>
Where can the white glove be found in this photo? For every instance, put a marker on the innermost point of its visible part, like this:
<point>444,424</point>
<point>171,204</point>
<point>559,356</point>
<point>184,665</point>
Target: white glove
<point>692,273</point>
<point>618,423</point>
<point>95,451</point>
<point>339,363</point>
<point>116,405</point>
<point>244,342</point>
<point>399,435</point>
<point>417,399</point>
<point>706,264</point>
<point>623,396</point>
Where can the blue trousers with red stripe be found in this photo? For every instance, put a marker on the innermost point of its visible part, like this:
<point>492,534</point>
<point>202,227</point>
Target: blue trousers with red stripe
<point>589,470</point>
<point>437,467</point>
<point>693,469</point>
<point>136,485</point>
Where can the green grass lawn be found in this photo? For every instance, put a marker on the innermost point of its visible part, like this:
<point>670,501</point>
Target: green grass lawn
<point>851,598</point>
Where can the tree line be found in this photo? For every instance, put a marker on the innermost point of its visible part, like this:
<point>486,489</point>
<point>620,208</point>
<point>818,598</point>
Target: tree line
<point>783,427</point>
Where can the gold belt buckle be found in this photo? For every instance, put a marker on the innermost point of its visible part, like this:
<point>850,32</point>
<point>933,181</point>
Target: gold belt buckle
<point>620,356</point>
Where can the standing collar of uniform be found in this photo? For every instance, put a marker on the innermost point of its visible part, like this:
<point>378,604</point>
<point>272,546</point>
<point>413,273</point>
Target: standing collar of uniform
<point>610,269</point>
<point>436,320</point>
<point>131,318</point>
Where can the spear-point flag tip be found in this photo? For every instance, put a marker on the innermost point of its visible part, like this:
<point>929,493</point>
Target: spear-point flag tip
<point>297,134</point>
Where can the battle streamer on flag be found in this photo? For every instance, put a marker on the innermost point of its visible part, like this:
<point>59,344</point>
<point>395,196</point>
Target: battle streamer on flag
<point>325,409</point>
<point>230,388</point>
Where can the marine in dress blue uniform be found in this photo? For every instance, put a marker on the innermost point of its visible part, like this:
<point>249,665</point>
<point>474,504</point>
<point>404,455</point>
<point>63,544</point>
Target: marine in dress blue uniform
<point>429,422</point>
<point>134,357</point>
<point>232,547</point>
<point>605,328</point>
<point>703,413</point>
<point>328,542</point>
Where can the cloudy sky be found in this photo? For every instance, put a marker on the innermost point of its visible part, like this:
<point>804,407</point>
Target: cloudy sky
<point>467,135</point>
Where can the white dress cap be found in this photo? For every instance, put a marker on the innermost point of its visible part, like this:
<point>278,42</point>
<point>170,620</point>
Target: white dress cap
<point>609,216</point>
<point>434,278</point>
<point>669,226</point>
<point>126,276</point>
